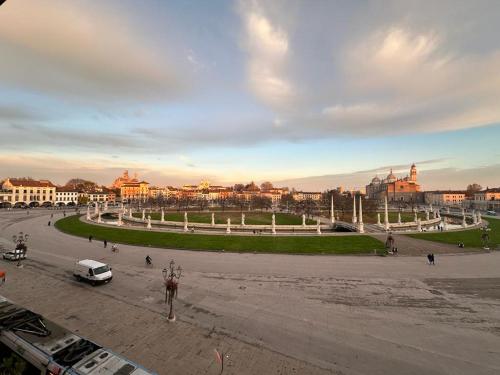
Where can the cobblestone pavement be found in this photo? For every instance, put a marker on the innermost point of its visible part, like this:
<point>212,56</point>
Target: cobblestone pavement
<point>274,314</point>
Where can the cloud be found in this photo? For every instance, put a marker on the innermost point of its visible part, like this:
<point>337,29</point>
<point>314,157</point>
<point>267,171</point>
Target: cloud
<point>83,52</point>
<point>267,46</point>
<point>40,136</point>
<point>60,169</point>
<point>429,177</point>
<point>13,113</point>
<point>413,82</point>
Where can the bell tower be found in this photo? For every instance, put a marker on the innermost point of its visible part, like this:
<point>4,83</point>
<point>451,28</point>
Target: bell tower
<point>413,173</point>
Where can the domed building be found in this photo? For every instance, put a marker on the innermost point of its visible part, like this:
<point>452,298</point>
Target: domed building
<point>124,179</point>
<point>396,189</point>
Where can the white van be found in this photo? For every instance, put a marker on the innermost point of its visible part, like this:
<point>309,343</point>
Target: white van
<point>93,271</point>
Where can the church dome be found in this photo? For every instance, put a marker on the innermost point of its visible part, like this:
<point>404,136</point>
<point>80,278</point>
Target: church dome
<point>391,176</point>
<point>376,180</point>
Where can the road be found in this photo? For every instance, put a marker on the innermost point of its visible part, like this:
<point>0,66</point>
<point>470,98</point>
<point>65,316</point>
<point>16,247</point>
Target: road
<point>287,314</point>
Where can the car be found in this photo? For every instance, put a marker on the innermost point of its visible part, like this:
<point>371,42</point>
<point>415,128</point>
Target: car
<point>14,255</point>
<point>92,271</point>
<point>491,213</point>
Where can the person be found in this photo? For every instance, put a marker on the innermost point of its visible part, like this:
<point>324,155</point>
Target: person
<point>49,224</point>
<point>114,248</point>
<point>105,243</point>
<point>429,258</point>
<point>389,243</point>
<point>51,216</point>
<point>432,260</point>
<point>90,238</point>
<point>148,260</point>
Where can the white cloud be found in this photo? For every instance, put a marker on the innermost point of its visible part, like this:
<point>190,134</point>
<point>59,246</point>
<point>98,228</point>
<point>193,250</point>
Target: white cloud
<point>268,48</point>
<point>410,82</point>
<point>85,52</point>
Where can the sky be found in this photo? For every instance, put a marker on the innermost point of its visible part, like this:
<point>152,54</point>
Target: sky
<point>310,94</point>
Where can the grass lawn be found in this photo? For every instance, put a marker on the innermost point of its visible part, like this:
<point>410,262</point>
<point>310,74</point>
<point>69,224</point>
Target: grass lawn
<point>356,244</point>
<point>470,238</point>
<point>255,218</point>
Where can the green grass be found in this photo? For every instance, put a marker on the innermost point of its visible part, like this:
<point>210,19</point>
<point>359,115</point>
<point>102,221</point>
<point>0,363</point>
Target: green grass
<point>251,218</point>
<point>261,244</point>
<point>470,238</point>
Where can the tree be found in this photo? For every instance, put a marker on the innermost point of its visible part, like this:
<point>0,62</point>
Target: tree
<point>238,187</point>
<point>202,203</point>
<point>266,185</point>
<point>287,201</point>
<point>252,187</point>
<point>473,188</point>
<point>83,200</point>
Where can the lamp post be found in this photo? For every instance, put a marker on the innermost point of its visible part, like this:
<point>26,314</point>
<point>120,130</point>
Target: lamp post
<point>171,277</point>
<point>21,240</point>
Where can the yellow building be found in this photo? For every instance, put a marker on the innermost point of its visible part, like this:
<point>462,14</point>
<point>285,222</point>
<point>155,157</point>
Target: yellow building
<point>445,197</point>
<point>134,191</point>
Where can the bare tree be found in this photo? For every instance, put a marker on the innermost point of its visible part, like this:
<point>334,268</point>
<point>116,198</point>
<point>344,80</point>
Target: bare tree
<point>266,185</point>
<point>473,188</point>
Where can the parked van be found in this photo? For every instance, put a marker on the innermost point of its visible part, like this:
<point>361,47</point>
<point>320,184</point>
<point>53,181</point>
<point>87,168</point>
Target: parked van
<point>92,271</point>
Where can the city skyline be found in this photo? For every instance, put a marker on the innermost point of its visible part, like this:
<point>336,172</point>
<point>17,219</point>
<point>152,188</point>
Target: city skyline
<point>305,95</point>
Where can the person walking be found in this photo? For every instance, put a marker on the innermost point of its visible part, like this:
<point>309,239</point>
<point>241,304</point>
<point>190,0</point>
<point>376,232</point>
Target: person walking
<point>432,260</point>
<point>49,224</point>
<point>105,243</point>
<point>429,258</point>
<point>90,238</point>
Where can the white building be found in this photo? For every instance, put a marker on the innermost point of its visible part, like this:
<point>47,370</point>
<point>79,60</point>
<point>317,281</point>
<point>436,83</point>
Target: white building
<point>66,196</point>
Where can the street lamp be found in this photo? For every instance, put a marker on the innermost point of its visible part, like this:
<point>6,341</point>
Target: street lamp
<point>20,240</point>
<point>171,277</point>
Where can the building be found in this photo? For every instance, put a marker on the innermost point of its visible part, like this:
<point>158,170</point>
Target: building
<point>26,192</point>
<point>123,179</point>
<point>204,190</point>
<point>134,191</point>
<point>396,189</point>
<point>157,192</point>
<point>66,196</point>
<point>487,200</point>
<point>445,197</point>
<point>306,195</point>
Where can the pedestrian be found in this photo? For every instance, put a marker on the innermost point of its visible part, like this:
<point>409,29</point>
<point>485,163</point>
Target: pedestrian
<point>432,260</point>
<point>49,224</point>
<point>90,238</point>
<point>429,258</point>
<point>105,243</point>
<point>51,216</point>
